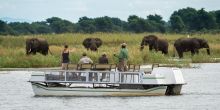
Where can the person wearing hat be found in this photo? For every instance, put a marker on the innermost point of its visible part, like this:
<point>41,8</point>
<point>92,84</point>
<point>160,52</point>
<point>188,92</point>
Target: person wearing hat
<point>103,59</point>
<point>122,58</point>
<point>85,59</point>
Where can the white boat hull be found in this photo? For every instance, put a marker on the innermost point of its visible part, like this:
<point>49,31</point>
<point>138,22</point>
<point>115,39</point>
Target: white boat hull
<point>41,90</point>
<point>161,81</point>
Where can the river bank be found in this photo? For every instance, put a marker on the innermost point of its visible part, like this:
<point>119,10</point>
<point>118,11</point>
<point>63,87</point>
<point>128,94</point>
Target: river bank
<point>13,53</point>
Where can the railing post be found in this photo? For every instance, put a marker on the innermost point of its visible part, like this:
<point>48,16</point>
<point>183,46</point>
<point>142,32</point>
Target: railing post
<point>87,77</point>
<point>119,73</point>
<point>65,75</point>
<point>98,75</point>
<point>45,76</point>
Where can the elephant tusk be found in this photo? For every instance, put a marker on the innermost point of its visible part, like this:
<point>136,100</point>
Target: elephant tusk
<point>29,51</point>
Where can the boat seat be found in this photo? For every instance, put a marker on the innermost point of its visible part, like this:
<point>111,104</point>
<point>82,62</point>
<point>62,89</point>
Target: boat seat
<point>113,67</point>
<point>133,67</point>
<point>85,67</point>
<point>102,67</point>
<point>73,66</point>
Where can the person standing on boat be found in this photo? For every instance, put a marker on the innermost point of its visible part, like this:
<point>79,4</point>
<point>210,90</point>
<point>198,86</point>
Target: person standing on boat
<point>122,58</point>
<point>65,57</point>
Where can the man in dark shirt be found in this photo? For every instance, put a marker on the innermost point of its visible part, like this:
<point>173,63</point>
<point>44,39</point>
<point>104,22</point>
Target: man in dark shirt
<point>103,59</point>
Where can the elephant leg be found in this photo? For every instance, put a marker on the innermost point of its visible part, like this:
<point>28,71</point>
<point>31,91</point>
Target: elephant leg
<point>192,52</point>
<point>44,53</point>
<point>27,52</point>
<point>34,52</point>
<point>155,48</point>
<point>165,52</point>
<point>180,54</point>
<point>197,51</point>
<point>150,48</point>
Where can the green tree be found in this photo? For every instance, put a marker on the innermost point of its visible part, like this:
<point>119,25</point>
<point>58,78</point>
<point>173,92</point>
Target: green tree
<point>156,23</point>
<point>177,24</point>
<point>217,16</point>
<point>22,28</point>
<point>86,25</point>
<point>136,24</point>
<point>118,25</point>
<point>5,29</point>
<point>204,20</point>
<point>41,27</point>
<point>103,24</point>
<point>188,16</point>
<point>60,26</point>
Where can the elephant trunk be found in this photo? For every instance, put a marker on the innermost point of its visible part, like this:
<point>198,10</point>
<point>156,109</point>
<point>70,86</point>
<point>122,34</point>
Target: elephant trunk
<point>28,51</point>
<point>142,47</point>
<point>93,47</point>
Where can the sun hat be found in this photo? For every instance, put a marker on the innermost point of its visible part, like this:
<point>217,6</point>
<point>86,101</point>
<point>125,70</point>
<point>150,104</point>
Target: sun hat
<point>123,44</point>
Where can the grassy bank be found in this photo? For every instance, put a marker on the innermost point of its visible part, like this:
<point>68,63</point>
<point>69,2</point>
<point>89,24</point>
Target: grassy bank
<point>12,49</point>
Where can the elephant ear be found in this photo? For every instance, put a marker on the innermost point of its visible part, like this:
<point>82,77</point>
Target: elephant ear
<point>146,39</point>
<point>153,40</point>
<point>87,42</point>
<point>98,42</point>
<point>35,43</point>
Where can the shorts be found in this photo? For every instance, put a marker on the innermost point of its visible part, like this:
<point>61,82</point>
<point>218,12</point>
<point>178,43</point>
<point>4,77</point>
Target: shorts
<point>65,66</point>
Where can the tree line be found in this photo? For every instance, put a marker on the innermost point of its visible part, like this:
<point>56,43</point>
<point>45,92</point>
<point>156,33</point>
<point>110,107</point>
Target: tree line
<point>186,20</point>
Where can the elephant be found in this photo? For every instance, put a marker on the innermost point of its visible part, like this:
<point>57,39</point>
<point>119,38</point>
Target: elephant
<point>190,44</point>
<point>92,43</point>
<point>35,45</point>
<point>155,43</point>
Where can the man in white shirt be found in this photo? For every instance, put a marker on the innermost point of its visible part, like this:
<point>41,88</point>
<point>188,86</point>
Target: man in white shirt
<point>85,59</point>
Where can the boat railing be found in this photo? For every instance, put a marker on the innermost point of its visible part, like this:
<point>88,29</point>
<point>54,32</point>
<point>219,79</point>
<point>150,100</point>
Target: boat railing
<point>89,76</point>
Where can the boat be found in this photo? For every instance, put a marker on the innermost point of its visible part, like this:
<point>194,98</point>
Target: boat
<point>105,80</point>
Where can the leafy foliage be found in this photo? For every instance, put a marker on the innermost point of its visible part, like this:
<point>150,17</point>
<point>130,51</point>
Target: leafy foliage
<point>186,20</point>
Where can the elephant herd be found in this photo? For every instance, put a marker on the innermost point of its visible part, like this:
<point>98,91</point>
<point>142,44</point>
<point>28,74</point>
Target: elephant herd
<point>181,45</point>
<point>40,45</point>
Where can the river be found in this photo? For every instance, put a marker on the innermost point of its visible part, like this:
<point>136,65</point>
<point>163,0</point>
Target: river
<point>202,92</point>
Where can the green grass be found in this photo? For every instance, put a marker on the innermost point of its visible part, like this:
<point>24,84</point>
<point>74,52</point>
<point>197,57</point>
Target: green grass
<point>12,49</point>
